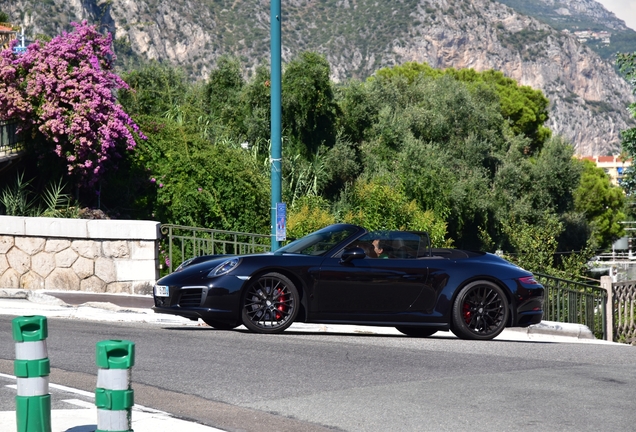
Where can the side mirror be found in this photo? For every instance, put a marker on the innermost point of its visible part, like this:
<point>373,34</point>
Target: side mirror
<point>351,254</point>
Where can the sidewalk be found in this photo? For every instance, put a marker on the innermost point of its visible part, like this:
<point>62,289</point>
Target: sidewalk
<point>17,302</point>
<point>81,415</point>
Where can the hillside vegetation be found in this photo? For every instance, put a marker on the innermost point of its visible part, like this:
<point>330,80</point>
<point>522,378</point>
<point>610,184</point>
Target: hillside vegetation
<point>464,155</point>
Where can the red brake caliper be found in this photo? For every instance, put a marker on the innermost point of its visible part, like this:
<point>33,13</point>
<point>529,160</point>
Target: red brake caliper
<point>281,306</point>
<point>467,313</point>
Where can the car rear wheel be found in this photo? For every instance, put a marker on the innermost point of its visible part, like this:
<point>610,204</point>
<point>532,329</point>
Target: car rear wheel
<point>271,304</point>
<point>417,331</point>
<point>220,325</point>
<point>480,311</point>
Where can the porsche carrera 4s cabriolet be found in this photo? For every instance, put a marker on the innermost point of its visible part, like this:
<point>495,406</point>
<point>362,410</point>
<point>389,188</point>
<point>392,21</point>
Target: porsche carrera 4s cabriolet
<point>336,275</point>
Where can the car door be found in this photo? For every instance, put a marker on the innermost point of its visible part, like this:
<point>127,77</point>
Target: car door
<point>370,290</point>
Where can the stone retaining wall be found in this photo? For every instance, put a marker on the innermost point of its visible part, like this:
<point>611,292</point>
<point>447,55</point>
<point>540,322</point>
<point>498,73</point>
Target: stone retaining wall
<point>77,254</point>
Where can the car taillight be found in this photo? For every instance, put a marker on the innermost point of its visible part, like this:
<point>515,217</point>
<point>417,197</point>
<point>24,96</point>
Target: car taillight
<point>528,280</point>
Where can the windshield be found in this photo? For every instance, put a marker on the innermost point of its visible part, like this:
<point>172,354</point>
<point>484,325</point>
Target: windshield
<point>319,242</point>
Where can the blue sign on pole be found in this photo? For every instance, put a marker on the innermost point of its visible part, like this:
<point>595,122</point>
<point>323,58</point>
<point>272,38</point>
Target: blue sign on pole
<point>19,50</point>
<point>281,224</point>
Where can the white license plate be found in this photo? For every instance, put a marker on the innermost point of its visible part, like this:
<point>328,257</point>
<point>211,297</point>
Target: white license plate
<point>162,291</point>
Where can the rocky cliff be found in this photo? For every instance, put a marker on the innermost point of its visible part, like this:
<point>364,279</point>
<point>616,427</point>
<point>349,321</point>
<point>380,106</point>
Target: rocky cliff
<point>588,99</point>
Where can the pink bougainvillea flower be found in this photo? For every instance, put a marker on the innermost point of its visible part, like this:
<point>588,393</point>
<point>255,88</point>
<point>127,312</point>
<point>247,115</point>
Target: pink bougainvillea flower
<point>65,91</point>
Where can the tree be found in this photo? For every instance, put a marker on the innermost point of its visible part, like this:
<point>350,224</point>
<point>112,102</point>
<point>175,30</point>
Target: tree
<point>602,203</point>
<point>382,205</point>
<point>309,109</point>
<point>153,89</point>
<point>63,93</point>
<point>627,65</point>
<point>223,93</point>
<point>524,108</point>
<point>214,185</point>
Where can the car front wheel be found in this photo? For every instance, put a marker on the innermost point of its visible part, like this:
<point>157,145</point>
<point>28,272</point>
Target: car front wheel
<point>271,304</point>
<point>480,311</point>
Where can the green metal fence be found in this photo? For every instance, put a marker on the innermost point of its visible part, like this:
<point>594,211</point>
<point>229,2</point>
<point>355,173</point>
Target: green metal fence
<point>575,302</point>
<point>181,242</point>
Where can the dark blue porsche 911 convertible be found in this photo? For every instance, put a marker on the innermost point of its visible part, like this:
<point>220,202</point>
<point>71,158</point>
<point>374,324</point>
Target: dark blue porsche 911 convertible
<point>344,274</point>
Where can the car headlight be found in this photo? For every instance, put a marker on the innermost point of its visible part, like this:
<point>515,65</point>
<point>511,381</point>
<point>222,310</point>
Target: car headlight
<point>225,267</point>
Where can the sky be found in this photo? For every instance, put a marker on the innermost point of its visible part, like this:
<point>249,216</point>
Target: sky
<point>623,9</point>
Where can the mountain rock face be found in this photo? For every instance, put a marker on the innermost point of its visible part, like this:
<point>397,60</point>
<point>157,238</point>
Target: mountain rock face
<point>570,13</point>
<point>588,99</point>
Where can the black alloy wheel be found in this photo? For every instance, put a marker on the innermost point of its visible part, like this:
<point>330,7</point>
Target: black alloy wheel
<point>480,311</point>
<point>220,325</point>
<point>417,331</point>
<point>271,304</point>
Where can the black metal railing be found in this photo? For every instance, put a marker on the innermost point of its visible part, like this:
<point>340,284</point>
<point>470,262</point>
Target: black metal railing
<point>624,310</point>
<point>575,302</point>
<point>9,142</point>
<point>182,242</point>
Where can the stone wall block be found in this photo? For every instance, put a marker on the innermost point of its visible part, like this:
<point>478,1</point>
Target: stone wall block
<point>145,288</point>
<point>66,258</point>
<point>115,249</point>
<point>87,248</point>
<point>57,245</point>
<point>93,284</point>
<point>62,279</point>
<point>105,270</point>
<point>4,265</point>
<point>43,263</point>
<point>30,245</point>
<point>119,287</point>
<point>144,250</point>
<point>136,270</point>
<point>83,267</point>
<point>6,243</point>
<point>10,279</point>
<point>32,281</point>
<point>19,260</point>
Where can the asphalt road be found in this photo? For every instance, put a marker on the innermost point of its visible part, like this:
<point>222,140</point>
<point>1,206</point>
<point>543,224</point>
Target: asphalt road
<point>240,381</point>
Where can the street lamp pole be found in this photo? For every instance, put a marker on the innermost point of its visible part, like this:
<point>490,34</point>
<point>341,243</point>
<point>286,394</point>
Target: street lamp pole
<point>275,88</point>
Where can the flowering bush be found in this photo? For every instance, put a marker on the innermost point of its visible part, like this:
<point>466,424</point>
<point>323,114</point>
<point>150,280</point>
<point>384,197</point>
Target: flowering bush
<point>64,90</point>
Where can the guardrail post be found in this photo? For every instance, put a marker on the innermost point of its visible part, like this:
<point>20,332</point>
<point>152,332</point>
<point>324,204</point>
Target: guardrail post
<point>113,395</point>
<point>606,284</point>
<point>32,368</point>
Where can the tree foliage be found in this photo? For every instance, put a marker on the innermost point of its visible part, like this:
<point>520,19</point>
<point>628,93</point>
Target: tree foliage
<point>379,205</point>
<point>627,65</point>
<point>524,108</point>
<point>461,154</point>
<point>309,110</point>
<point>602,203</point>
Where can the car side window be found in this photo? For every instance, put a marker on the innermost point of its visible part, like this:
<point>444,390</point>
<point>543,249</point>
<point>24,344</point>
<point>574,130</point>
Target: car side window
<point>388,244</point>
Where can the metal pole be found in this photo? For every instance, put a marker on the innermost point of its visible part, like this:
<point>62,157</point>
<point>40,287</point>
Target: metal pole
<point>276,142</point>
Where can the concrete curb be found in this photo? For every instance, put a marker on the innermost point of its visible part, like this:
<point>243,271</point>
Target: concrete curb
<point>579,331</point>
<point>14,293</point>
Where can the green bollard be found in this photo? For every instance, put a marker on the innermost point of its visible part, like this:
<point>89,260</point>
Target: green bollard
<point>113,396</point>
<point>32,368</point>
